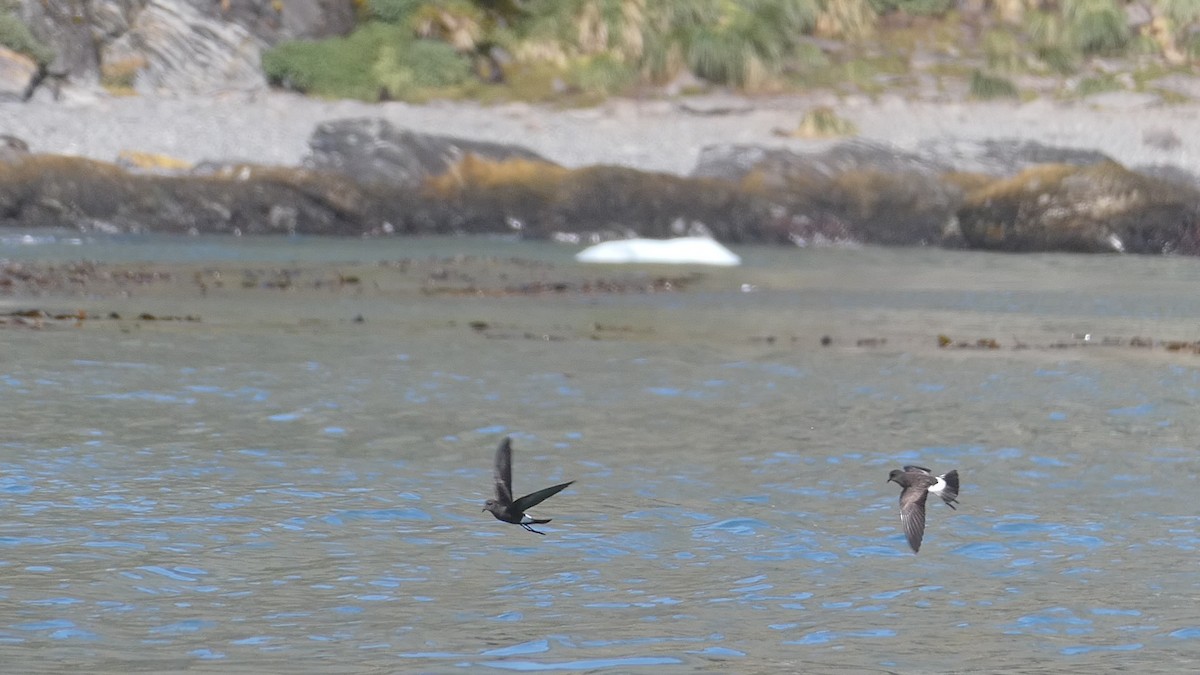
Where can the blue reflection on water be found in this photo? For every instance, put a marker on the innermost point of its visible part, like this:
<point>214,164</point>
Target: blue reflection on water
<point>796,537</point>
<point>583,664</point>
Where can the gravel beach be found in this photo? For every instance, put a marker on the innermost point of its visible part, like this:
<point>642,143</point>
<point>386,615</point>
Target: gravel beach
<point>655,135</point>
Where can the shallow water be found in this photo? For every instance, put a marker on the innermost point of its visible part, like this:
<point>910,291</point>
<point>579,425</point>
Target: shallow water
<point>252,496</point>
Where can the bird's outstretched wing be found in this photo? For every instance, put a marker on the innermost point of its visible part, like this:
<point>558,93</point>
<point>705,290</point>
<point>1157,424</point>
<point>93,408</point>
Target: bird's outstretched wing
<point>534,498</point>
<point>912,515</point>
<point>502,472</point>
<point>922,469</point>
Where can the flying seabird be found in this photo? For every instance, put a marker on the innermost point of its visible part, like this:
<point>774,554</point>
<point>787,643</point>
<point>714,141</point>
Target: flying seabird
<point>504,507</point>
<point>917,482</point>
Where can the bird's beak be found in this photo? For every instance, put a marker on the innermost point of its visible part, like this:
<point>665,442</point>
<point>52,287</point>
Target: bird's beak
<point>483,509</point>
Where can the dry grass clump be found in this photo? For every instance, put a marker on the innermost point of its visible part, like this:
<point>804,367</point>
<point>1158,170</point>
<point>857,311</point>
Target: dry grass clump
<point>151,161</point>
<point>823,122</point>
<point>118,76</point>
<point>474,174</point>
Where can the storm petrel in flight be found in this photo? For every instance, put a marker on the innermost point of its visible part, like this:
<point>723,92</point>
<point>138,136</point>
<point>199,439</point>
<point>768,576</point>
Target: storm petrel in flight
<point>504,507</point>
<point>917,482</point>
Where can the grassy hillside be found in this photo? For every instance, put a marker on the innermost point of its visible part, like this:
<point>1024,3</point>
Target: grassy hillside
<point>583,50</point>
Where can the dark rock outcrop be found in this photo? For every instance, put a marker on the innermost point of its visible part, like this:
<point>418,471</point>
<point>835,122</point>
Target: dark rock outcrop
<point>373,151</point>
<point>55,191</point>
<point>12,149</point>
<point>1099,208</point>
<point>736,162</point>
<point>541,200</point>
<point>181,46</point>
<point>172,47</point>
<point>1002,157</point>
<point>71,29</point>
<point>273,21</point>
<point>857,191</point>
<point>374,179</point>
<point>520,194</point>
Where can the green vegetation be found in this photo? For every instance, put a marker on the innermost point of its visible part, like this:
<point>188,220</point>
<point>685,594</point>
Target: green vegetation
<point>1096,26</point>
<point>985,87</point>
<point>583,50</point>
<point>377,61</point>
<point>16,36</point>
<point>1097,85</point>
<point>914,7</point>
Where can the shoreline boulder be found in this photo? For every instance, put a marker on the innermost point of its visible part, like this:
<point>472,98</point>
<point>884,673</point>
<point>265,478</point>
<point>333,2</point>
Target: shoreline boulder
<point>1102,208</point>
<point>53,191</point>
<point>852,192</point>
<point>373,151</point>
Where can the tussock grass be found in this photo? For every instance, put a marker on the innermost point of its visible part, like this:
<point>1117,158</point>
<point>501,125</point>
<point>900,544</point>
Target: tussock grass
<point>988,87</point>
<point>846,19</point>
<point>1004,50</point>
<point>378,60</point>
<point>1097,85</point>
<point>913,7</point>
<point>1096,26</point>
<point>584,50</point>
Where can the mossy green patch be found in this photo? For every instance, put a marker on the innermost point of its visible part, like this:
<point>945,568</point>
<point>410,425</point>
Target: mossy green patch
<point>987,87</point>
<point>378,60</point>
<point>1097,85</point>
<point>15,35</point>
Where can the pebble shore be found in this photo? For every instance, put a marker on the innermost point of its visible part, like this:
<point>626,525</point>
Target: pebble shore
<point>652,135</point>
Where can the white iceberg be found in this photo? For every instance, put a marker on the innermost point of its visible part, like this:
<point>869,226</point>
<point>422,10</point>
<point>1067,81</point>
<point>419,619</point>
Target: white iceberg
<point>681,250</point>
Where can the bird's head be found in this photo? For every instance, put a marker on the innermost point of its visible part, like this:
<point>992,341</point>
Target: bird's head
<point>491,505</point>
<point>895,474</point>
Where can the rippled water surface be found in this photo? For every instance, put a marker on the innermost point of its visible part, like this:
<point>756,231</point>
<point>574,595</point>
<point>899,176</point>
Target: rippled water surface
<point>305,495</point>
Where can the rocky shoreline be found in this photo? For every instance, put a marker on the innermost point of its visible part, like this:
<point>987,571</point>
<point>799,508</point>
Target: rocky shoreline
<point>652,135</point>
<point>1122,169</point>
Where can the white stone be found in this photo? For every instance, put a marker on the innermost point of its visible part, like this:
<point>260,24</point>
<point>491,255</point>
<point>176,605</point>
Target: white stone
<point>681,250</point>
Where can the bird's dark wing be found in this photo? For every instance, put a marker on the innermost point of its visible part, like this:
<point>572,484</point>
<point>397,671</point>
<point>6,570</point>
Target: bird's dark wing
<point>534,498</point>
<point>918,468</point>
<point>912,515</point>
<point>502,472</point>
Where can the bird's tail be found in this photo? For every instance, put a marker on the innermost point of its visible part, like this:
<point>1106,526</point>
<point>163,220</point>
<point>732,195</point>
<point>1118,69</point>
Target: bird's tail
<point>536,521</point>
<point>949,493</point>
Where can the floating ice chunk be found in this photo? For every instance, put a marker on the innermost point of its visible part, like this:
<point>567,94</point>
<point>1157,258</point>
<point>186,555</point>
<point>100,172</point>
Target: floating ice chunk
<point>681,250</point>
